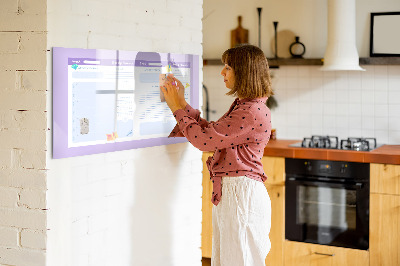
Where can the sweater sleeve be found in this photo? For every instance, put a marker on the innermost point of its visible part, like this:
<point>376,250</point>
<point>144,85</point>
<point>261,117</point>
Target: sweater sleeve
<point>234,129</point>
<point>193,113</point>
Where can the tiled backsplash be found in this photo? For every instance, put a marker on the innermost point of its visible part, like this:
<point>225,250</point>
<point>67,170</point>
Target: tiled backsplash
<point>314,102</point>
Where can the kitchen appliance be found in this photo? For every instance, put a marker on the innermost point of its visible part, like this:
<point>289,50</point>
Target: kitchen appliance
<point>327,202</point>
<point>332,142</point>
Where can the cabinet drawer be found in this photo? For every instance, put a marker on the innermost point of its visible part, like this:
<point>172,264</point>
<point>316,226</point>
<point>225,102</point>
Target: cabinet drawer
<point>297,254</point>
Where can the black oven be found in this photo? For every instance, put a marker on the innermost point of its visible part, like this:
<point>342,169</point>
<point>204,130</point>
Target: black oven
<point>327,202</point>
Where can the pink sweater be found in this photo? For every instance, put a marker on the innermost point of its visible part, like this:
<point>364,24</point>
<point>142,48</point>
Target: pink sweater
<point>238,139</point>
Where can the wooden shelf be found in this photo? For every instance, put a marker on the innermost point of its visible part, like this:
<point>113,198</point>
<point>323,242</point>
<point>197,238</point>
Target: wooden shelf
<point>380,61</point>
<point>274,63</point>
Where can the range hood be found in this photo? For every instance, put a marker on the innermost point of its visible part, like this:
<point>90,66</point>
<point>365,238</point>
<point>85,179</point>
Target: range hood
<point>341,51</point>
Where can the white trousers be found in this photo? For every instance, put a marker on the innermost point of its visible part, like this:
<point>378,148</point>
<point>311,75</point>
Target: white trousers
<point>241,223</point>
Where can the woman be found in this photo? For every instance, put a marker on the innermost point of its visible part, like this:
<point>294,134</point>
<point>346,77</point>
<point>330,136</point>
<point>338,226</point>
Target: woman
<point>242,208</point>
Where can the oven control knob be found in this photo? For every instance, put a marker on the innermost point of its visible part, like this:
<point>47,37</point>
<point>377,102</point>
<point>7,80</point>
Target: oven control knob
<point>308,166</point>
<point>343,168</point>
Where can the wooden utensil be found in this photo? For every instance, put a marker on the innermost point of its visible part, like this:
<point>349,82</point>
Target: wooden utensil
<point>239,35</point>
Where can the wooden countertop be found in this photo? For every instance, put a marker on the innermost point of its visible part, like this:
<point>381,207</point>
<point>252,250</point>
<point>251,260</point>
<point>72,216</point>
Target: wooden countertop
<point>389,154</point>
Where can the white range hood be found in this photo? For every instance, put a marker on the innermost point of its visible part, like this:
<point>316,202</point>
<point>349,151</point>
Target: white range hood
<point>341,51</point>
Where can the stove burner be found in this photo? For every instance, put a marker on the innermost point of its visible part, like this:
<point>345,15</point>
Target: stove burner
<point>358,144</point>
<point>328,142</point>
<point>332,142</point>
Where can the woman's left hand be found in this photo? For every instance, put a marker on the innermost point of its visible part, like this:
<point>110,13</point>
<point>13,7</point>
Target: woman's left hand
<point>170,90</point>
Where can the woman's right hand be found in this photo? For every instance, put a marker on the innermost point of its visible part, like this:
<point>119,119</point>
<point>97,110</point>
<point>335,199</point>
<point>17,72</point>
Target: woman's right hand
<point>181,90</point>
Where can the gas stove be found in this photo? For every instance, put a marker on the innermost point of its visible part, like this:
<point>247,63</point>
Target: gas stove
<point>332,142</point>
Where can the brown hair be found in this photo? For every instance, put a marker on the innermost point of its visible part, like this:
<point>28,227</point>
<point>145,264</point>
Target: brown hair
<point>250,66</point>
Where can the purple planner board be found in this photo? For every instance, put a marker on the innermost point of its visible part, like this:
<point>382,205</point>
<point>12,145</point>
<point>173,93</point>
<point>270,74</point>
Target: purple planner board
<point>109,100</point>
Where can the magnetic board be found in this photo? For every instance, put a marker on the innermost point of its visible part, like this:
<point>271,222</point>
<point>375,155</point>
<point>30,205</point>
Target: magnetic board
<point>110,100</point>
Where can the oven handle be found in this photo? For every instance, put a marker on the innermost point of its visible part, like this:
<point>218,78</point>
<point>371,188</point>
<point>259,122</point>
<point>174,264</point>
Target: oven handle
<point>357,185</point>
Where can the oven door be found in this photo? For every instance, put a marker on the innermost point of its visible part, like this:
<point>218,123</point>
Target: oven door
<point>327,213</point>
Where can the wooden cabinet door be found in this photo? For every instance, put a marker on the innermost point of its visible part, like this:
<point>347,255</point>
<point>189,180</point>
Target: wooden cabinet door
<point>304,254</point>
<point>206,225</point>
<point>274,168</point>
<point>277,233</point>
<point>385,178</point>
<point>384,236</point>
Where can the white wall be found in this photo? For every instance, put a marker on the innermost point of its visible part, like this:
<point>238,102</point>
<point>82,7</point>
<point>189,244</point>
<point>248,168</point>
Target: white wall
<point>23,133</point>
<point>311,102</point>
<point>134,207</point>
<point>304,18</point>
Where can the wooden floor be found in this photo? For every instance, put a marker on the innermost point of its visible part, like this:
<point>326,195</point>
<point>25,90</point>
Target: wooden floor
<point>206,261</point>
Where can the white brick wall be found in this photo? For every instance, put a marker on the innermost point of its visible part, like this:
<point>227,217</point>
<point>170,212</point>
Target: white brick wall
<point>23,126</point>
<point>134,207</point>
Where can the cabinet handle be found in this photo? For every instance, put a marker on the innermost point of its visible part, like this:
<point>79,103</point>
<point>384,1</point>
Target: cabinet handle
<point>324,254</point>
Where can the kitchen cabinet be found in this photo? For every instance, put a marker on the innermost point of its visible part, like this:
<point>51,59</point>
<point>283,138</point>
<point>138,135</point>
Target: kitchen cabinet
<point>385,214</point>
<point>305,254</point>
<point>274,168</point>
<point>206,225</point>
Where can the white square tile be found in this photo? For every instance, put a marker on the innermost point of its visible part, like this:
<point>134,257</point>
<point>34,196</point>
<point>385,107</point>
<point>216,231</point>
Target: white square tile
<point>291,71</point>
<point>329,109</point>
<point>394,137</point>
<point>317,131</point>
<point>329,95</point>
<point>381,84</point>
<point>316,72</point>
<point>316,82</point>
<point>354,82</point>
<point>367,110</point>
<point>355,122</point>
<point>381,71</point>
<point>394,70</point>
<point>342,122</point>
<point>303,82</point>
<point>342,96</point>
<point>328,74</point>
<point>317,108</point>
<point>381,97</point>
<point>367,83</point>
<point>394,110</point>
<point>394,123</point>
<point>317,95</point>
<point>381,123</point>
<point>342,81</point>
<point>355,132</point>
<point>368,122</point>
<point>305,109</point>
<point>329,131</point>
<point>394,97</point>
<point>382,136</point>
<point>317,120</point>
<point>367,133</point>
<point>304,72</point>
<point>355,109</point>
<point>292,83</point>
<point>367,96</point>
<point>342,133</point>
<point>381,110</point>
<point>329,121</point>
<point>394,83</point>
<point>355,96</point>
<point>342,109</point>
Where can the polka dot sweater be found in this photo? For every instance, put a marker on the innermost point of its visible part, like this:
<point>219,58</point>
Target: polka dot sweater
<point>238,139</point>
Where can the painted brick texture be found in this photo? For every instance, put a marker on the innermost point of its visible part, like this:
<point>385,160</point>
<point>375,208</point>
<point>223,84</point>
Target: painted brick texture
<point>134,207</point>
<point>23,126</point>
